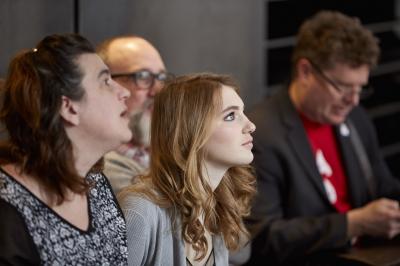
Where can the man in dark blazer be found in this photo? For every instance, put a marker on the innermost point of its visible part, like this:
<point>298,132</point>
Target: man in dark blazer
<point>322,183</point>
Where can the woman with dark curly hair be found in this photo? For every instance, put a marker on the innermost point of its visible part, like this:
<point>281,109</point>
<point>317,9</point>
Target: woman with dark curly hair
<point>188,210</point>
<point>62,112</point>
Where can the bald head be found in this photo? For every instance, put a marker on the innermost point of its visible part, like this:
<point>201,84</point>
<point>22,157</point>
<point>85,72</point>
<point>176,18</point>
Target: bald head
<point>130,54</point>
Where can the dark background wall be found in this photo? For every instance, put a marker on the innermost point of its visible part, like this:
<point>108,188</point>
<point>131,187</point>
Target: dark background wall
<point>252,40</point>
<point>223,36</point>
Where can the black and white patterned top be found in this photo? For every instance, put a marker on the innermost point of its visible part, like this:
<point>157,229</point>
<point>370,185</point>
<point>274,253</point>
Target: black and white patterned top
<point>57,242</point>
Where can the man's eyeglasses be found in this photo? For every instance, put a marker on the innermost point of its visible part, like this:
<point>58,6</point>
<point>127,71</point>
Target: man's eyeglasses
<point>363,92</point>
<point>144,79</point>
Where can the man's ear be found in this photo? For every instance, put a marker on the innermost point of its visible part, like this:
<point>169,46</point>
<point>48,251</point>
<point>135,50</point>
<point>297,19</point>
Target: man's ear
<point>69,111</point>
<point>304,69</point>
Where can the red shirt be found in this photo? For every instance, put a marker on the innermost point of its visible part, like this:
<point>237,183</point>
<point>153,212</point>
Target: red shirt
<point>329,162</point>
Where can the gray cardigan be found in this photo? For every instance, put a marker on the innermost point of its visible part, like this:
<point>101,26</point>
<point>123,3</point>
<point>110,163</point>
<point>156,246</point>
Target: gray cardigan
<point>150,237</point>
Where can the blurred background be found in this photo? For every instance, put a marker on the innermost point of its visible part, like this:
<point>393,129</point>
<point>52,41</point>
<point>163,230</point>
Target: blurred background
<point>249,39</point>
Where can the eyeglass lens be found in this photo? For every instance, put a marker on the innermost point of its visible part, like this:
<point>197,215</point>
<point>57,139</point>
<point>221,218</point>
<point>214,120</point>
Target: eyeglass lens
<point>145,79</point>
<point>365,91</point>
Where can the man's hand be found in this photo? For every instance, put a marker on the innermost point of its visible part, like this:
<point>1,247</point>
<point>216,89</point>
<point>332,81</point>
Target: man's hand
<point>379,218</point>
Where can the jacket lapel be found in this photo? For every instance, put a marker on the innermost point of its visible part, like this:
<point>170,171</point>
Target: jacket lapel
<point>301,148</point>
<point>355,179</point>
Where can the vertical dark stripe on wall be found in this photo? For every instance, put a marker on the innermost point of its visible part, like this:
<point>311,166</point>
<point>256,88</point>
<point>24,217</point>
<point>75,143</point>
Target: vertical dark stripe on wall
<point>76,16</point>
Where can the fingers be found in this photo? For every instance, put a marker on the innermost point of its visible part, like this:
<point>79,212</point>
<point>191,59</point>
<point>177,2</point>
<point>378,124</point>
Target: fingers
<point>383,217</point>
<point>393,230</point>
<point>392,204</point>
<point>391,210</point>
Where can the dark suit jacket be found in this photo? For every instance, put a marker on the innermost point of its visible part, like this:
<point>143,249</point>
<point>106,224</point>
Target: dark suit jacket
<point>292,216</point>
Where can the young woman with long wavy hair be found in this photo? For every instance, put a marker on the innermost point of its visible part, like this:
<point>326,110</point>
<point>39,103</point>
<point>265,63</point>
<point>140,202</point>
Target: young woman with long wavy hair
<point>188,209</point>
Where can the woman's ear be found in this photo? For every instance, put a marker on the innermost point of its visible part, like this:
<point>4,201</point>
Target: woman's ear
<point>69,111</point>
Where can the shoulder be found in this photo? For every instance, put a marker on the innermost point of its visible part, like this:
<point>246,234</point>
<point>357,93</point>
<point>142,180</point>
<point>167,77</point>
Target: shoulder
<point>271,102</point>
<point>273,118</point>
<point>13,194</point>
<point>8,212</point>
<point>120,170</point>
<point>138,205</point>
<point>270,112</point>
<point>114,160</point>
<point>101,184</point>
<point>144,218</point>
<point>361,120</point>
<point>360,117</point>
<point>138,202</point>
<point>11,220</point>
<point>263,108</point>
<point>17,244</point>
<point>101,194</point>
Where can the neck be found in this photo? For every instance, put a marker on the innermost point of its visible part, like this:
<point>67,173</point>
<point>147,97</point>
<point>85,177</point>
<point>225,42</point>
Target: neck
<point>294,95</point>
<point>85,159</point>
<point>83,167</point>
<point>85,151</point>
<point>213,174</point>
<point>298,99</point>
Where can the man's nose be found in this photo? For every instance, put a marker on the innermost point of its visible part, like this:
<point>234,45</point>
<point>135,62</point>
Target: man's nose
<point>353,97</point>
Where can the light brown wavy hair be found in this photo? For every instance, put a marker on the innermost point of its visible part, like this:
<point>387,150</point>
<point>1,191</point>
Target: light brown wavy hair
<point>182,122</point>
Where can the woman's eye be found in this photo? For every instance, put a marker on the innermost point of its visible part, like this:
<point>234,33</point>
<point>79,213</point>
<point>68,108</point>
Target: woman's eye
<point>107,81</point>
<point>230,117</point>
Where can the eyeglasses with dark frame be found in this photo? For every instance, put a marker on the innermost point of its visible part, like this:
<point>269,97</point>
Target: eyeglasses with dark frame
<point>364,92</point>
<point>144,79</point>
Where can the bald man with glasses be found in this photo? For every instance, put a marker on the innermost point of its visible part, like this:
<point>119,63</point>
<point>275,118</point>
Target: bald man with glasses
<point>137,65</point>
<point>323,185</point>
